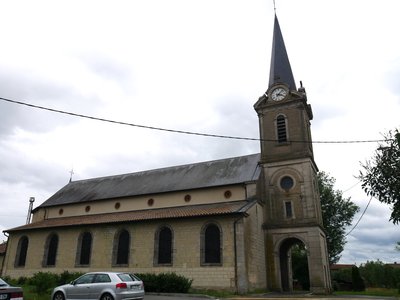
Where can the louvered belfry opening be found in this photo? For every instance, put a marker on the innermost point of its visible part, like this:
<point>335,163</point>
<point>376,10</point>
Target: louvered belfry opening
<point>281,129</point>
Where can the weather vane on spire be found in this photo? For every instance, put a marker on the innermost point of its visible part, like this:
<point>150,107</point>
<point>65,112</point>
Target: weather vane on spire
<point>274,6</point>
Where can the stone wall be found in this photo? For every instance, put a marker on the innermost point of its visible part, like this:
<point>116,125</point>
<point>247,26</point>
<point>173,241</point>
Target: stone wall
<point>186,250</point>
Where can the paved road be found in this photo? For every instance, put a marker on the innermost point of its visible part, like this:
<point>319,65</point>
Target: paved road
<point>176,296</point>
<point>260,297</point>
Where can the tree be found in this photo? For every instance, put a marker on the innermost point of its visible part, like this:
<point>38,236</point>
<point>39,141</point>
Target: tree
<point>337,214</point>
<point>380,177</point>
<point>380,275</point>
<point>358,282</point>
<point>300,266</point>
<point>397,246</point>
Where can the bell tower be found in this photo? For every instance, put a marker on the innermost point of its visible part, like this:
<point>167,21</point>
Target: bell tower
<point>289,174</point>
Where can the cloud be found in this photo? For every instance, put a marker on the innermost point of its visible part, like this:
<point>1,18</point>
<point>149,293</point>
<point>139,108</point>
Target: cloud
<point>391,77</point>
<point>194,66</point>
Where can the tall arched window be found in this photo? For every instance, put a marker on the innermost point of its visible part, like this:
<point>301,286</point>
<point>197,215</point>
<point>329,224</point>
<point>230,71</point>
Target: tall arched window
<point>211,237</point>
<point>121,248</point>
<point>22,250</point>
<point>163,246</point>
<point>281,129</point>
<point>50,251</point>
<point>84,250</point>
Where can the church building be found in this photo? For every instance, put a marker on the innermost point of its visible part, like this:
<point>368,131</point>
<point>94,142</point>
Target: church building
<point>228,224</point>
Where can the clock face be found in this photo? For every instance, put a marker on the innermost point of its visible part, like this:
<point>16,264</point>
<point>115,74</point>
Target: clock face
<point>279,94</point>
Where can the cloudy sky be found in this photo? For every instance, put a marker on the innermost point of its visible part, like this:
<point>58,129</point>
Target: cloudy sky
<point>196,65</point>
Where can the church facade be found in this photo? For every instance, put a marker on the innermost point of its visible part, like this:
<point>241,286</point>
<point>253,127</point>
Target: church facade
<point>227,224</point>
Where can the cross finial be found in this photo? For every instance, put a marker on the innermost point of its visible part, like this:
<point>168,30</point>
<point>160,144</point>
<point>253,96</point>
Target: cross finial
<point>274,6</point>
<point>71,172</point>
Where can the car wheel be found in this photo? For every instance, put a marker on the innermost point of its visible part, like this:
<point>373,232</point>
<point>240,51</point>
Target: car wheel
<point>106,296</point>
<point>58,296</point>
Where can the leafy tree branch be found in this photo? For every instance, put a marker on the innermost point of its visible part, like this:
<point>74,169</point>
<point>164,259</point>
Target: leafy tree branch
<point>380,176</point>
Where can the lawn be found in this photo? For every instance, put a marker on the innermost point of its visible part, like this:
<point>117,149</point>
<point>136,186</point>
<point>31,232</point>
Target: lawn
<point>373,292</point>
<point>29,293</point>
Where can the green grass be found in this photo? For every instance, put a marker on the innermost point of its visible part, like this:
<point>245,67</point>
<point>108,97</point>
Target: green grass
<point>373,292</point>
<point>378,292</point>
<point>30,294</point>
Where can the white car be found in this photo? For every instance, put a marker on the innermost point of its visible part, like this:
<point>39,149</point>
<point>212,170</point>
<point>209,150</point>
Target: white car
<point>101,286</point>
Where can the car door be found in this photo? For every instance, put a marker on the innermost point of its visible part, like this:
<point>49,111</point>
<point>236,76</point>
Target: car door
<point>100,283</point>
<point>80,288</point>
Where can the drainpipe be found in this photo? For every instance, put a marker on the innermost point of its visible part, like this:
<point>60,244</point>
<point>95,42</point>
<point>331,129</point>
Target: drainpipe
<point>235,253</point>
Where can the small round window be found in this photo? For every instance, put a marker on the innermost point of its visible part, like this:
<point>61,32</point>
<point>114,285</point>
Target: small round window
<point>227,194</point>
<point>286,183</point>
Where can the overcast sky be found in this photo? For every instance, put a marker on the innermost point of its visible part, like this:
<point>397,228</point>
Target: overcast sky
<point>193,65</point>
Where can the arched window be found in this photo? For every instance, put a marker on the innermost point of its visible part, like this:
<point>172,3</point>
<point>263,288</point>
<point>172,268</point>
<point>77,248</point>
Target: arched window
<point>50,251</point>
<point>163,246</point>
<point>121,248</point>
<point>22,250</point>
<point>281,129</point>
<point>211,237</point>
<point>84,250</point>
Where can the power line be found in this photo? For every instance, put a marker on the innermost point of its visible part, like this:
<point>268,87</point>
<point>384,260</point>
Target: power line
<point>362,215</point>
<point>354,185</point>
<point>126,123</point>
<point>175,130</point>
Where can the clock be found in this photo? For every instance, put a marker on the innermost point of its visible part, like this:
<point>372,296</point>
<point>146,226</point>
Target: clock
<point>279,94</point>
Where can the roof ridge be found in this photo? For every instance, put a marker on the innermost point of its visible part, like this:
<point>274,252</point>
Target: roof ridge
<point>221,172</point>
<point>161,168</point>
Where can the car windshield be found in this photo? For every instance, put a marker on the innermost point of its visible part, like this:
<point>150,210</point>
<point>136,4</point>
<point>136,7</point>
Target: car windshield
<point>3,283</point>
<point>127,277</point>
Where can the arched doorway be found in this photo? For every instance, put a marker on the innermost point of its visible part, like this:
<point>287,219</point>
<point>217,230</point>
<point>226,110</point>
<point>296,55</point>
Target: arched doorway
<point>293,263</point>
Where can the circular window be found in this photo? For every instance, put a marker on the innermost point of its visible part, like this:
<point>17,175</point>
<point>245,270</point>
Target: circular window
<point>227,194</point>
<point>287,183</point>
<point>150,202</point>
<point>87,208</point>
<point>61,211</point>
<point>117,205</point>
<point>188,198</point>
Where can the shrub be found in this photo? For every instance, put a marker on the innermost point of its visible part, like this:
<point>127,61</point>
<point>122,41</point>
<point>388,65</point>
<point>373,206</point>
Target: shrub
<point>66,277</point>
<point>378,275</point>
<point>166,283</point>
<point>150,282</point>
<point>342,275</point>
<point>43,281</point>
<point>22,280</point>
<point>358,282</point>
<point>9,280</point>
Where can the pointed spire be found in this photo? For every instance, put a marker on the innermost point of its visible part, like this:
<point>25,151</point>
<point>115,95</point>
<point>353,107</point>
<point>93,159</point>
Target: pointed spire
<point>280,71</point>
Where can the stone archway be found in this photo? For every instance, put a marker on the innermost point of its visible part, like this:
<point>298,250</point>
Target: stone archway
<point>286,261</point>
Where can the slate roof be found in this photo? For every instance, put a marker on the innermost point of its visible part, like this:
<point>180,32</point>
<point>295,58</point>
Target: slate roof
<point>189,211</point>
<point>185,177</point>
<point>280,71</point>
